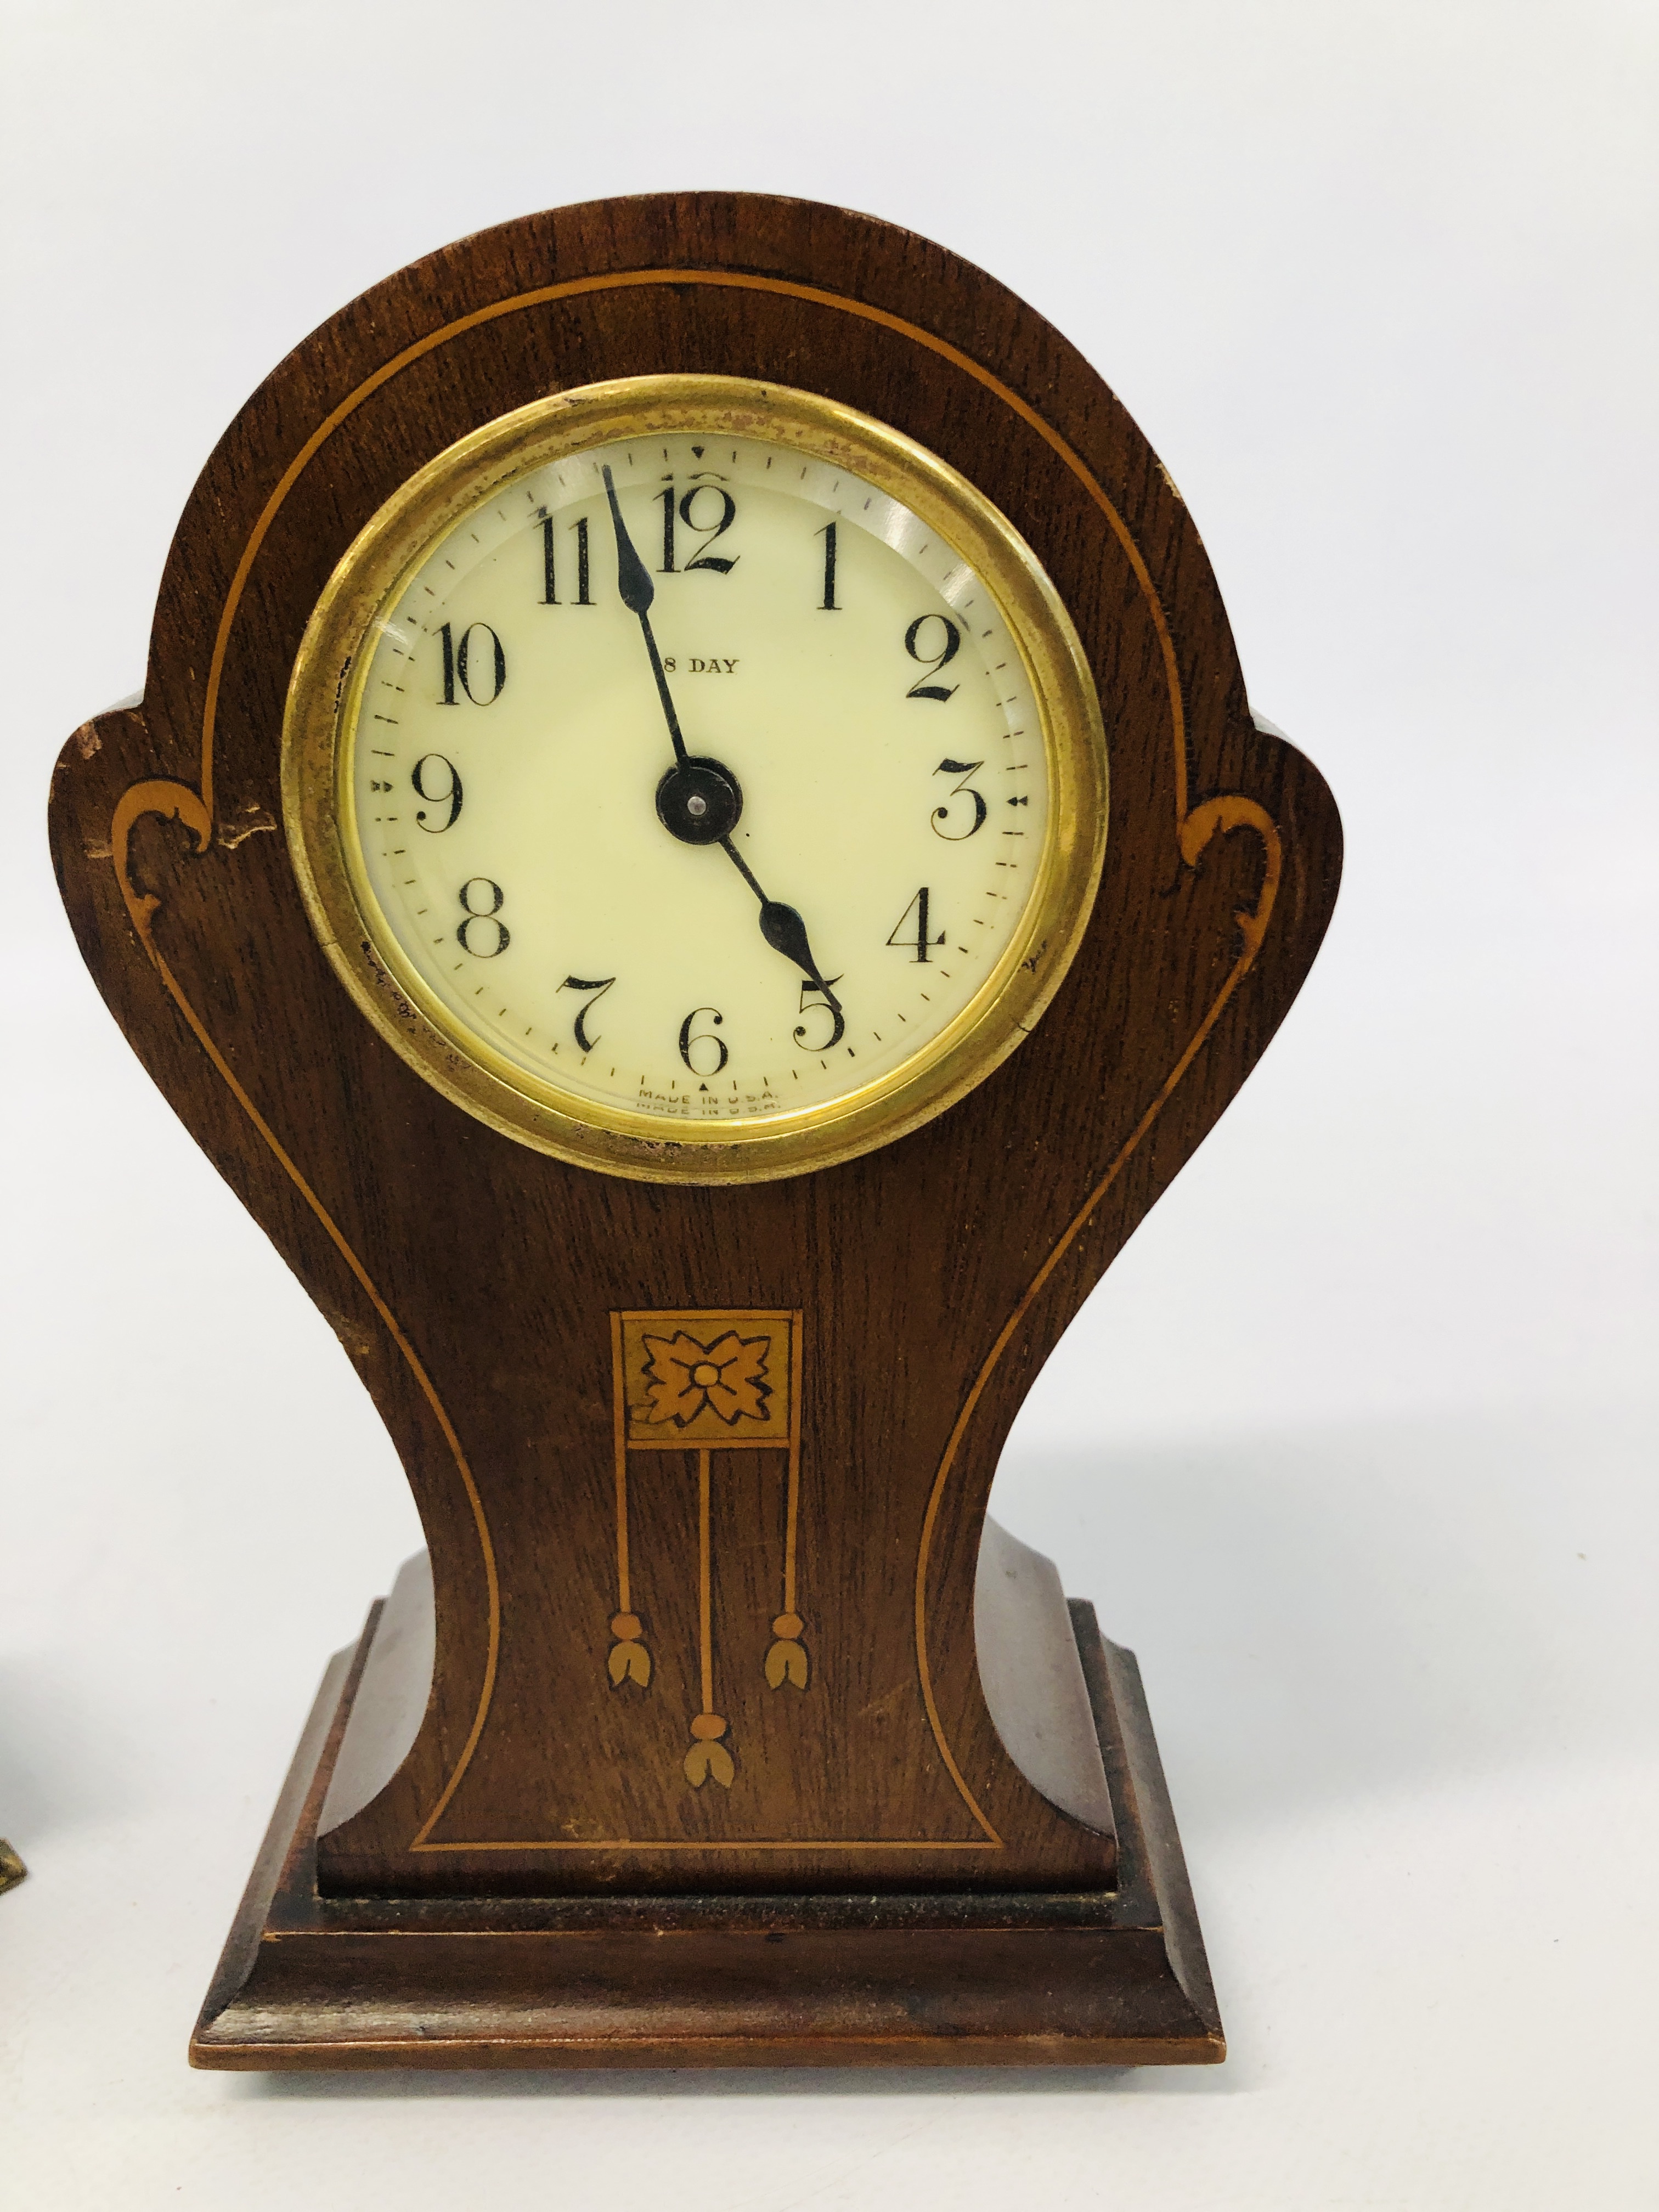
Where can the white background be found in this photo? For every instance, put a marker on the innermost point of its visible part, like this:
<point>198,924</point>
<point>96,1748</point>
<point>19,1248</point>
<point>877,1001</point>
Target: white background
<point>1356,1444</point>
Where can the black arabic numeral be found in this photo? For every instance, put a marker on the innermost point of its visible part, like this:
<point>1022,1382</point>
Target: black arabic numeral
<point>549,572</point>
<point>705,559</point>
<point>598,987</point>
<point>942,817</point>
<point>816,998</point>
<point>479,915</point>
<point>704,1037</point>
<point>931,661</point>
<point>461,664</point>
<point>497,664</point>
<point>423,775</point>
<point>708,532</point>
<point>828,604</point>
<point>916,917</point>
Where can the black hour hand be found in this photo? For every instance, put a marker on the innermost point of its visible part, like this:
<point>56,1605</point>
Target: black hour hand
<point>786,933</point>
<point>782,928</point>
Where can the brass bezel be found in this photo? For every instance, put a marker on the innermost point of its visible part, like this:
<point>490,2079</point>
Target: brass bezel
<point>318,802</point>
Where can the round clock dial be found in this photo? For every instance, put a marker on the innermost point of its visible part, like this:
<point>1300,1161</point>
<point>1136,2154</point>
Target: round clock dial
<point>715,772</point>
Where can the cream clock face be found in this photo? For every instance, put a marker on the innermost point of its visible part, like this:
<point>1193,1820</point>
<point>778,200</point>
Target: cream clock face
<point>610,919</point>
<point>698,786</point>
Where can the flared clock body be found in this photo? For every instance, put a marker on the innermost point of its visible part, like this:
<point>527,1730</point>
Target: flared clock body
<point>695,848</point>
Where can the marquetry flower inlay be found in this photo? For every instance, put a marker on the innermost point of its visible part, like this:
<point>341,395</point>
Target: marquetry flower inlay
<point>683,1377</point>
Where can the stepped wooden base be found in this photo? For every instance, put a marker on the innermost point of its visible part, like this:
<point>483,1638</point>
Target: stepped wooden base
<point>1116,1980</point>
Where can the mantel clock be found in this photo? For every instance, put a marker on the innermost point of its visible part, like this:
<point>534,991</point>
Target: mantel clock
<point>695,849</point>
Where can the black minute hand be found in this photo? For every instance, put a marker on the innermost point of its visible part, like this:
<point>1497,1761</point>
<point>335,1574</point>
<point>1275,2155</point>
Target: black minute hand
<point>781,926</point>
<point>636,590</point>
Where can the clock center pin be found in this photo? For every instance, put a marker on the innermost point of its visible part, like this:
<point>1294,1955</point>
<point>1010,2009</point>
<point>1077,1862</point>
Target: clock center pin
<point>699,801</point>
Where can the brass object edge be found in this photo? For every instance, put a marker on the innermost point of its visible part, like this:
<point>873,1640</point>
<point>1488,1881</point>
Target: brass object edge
<point>324,703</point>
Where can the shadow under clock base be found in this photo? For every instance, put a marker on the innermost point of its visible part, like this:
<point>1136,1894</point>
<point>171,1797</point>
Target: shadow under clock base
<point>1113,1978</point>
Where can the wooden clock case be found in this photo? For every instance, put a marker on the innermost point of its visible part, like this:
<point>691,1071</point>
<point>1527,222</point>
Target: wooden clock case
<point>552,1856</point>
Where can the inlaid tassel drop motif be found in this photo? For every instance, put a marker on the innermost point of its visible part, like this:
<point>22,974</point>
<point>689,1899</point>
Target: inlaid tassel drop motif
<point>701,1385</point>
